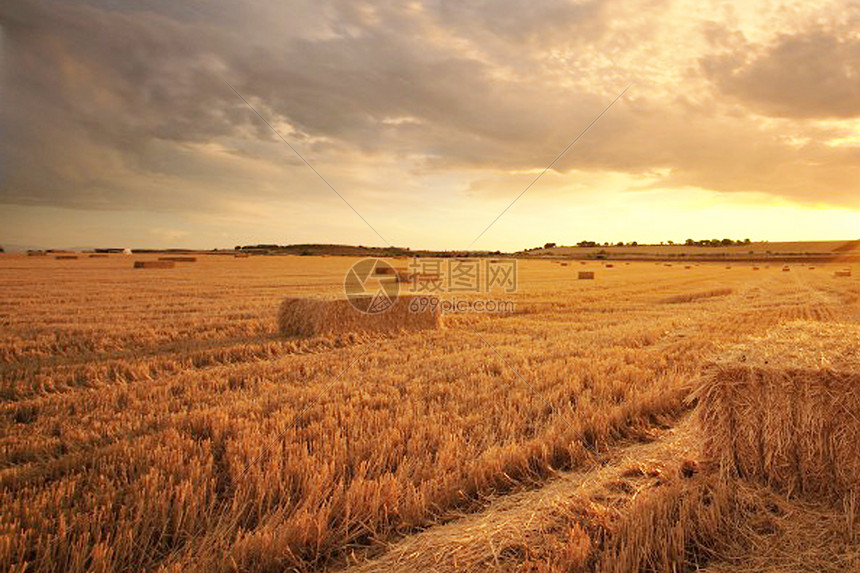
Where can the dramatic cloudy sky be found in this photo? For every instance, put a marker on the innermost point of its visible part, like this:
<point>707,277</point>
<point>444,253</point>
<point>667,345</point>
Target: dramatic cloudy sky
<point>117,125</point>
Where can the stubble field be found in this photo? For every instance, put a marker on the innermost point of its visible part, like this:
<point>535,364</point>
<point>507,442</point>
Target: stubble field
<point>154,419</point>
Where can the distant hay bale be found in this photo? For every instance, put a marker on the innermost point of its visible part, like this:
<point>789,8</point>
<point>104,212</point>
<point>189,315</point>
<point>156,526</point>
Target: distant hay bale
<point>66,257</point>
<point>320,317</point>
<point>179,259</point>
<point>402,276</point>
<point>242,255</point>
<point>154,264</point>
<point>786,268</point>
<point>687,267</point>
<point>784,409</point>
<point>98,256</point>
<point>609,265</point>
<point>384,270</point>
<point>728,267</point>
<point>564,264</point>
<point>755,268</point>
<point>667,264</point>
<point>811,268</point>
<point>842,273</point>
<point>585,275</point>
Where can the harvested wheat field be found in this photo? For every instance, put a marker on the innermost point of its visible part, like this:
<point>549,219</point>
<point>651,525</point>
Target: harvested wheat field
<point>229,416</point>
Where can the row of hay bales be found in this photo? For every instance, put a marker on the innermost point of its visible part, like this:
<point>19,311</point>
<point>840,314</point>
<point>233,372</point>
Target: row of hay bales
<point>784,410</point>
<point>402,275</point>
<point>322,317</point>
<point>164,262</point>
<point>154,264</point>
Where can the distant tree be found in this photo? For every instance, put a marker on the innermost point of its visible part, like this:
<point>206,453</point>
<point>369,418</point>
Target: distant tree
<point>727,242</point>
<point>747,241</point>
<point>1,250</point>
<point>689,242</point>
<point>670,242</point>
<point>634,244</point>
<point>549,246</point>
<point>237,248</point>
<point>586,244</point>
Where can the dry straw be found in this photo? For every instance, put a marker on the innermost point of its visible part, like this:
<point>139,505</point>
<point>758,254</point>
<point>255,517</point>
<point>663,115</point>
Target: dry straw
<point>154,264</point>
<point>693,296</point>
<point>321,317</point>
<point>784,409</point>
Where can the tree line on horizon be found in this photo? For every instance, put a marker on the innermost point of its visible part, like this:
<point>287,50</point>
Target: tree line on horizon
<point>688,243</point>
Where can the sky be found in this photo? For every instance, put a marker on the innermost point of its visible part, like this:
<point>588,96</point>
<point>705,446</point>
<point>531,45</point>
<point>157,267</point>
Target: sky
<point>122,124</point>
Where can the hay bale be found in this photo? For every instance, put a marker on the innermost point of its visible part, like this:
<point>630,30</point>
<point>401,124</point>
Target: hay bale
<point>154,264</point>
<point>585,275</point>
<point>784,409</point>
<point>786,268</point>
<point>66,257</point>
<point>321,317</point>
<point>564,264</point>
<point>687,267</point>
<point>242,255</point>
<point>179,259</point>
<point>98,256</point>
<point>842,273</point>
<point>755,268</point>
<point>384,270</point>
<point>609,265</point>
